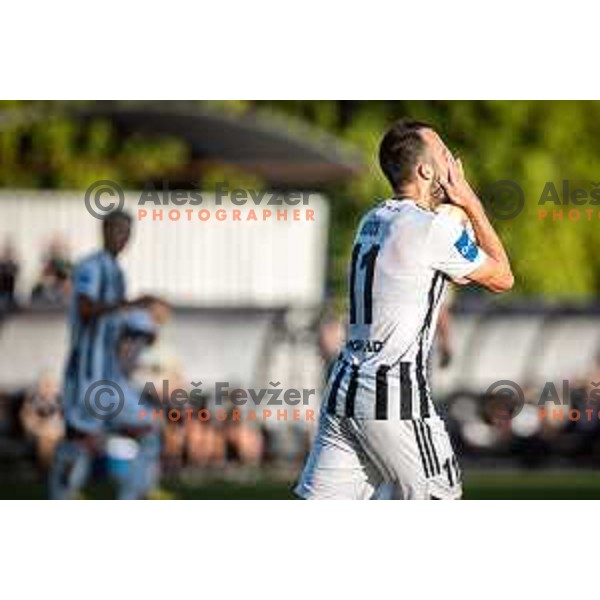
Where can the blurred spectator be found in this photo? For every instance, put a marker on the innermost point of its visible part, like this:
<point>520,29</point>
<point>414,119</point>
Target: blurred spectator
<point>244,441</point>
<point>218,442</point>
<point>204,444</point>
<point>9,270</point>
<point>54,285</point>
<point>560,419</point>
<point>41,418</point>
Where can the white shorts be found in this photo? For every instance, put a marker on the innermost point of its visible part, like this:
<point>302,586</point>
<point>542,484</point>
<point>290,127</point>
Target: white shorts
<point>393,459</point>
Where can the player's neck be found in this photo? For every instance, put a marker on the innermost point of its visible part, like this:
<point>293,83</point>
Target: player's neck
<point>113,255</point>
<point>419,197</point>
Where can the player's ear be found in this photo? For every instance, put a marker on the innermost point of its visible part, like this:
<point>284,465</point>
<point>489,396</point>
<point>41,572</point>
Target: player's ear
<point>425,171</point>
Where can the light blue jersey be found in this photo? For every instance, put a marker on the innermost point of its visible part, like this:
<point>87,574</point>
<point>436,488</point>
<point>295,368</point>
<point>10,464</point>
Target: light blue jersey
<point>92,356</point>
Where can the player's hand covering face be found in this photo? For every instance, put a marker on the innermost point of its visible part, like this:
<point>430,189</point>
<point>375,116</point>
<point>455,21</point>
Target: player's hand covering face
<point>455,185</point>
<point>436,166</point>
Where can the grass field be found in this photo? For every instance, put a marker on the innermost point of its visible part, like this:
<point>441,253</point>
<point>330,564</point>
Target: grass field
<point>478,485</point>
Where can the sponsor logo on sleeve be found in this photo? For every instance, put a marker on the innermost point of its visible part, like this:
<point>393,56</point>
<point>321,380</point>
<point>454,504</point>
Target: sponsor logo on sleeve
<point>466,246</point>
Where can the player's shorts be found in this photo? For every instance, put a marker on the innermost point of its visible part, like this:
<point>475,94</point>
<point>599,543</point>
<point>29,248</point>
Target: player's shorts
<point>361,460</point>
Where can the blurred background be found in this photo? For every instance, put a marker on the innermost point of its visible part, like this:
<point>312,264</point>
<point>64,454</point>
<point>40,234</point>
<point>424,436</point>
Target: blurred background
<point>265,301</point>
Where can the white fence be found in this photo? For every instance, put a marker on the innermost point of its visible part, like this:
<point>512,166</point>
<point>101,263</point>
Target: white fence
<point>526,348</point>
<point>262,263</point>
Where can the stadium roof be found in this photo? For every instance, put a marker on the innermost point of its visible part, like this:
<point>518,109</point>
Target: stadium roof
<point>282,150</point>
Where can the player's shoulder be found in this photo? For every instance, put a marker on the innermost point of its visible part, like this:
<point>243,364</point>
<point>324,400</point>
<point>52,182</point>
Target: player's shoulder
<point>91,260</point>
<point>406,219</point>
<point>87,269</point>
<point>404,210</point>
<point>95,260</point>
<point>448,220</point>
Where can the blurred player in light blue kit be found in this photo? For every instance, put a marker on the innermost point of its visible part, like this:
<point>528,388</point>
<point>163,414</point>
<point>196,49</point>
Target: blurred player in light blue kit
<point>99,399</point>
<point>134,459</point>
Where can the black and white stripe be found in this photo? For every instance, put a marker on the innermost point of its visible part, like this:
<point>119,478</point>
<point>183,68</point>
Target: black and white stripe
<point>427,451</point>
<point>414,395</point>
<point>335,386</point>
<point>381,393</point>
<point>391,393</point>
<point>351,393</point>
<point>436,290</point>
<point>406,391</point>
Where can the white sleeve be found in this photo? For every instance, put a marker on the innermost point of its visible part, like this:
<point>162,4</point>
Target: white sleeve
<point>452,249</point>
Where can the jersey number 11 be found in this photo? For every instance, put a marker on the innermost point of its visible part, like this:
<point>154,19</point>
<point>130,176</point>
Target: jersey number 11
<point>362,262</point>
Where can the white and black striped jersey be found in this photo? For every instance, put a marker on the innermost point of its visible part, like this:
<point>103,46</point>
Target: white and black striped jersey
<point>92,354</point>
<point>402,258</point>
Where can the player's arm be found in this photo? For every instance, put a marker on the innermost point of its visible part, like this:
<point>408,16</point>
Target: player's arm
<point>89,308</point>
<point>86,285</point>
<point>495,272</point>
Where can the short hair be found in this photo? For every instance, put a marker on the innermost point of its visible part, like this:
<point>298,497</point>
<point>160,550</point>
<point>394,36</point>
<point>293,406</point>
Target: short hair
<point>400,150</point>
<point>116,215</point>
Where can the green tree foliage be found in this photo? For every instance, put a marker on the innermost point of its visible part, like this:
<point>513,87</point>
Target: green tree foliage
<point>41,147</point>
<point>528,142</point>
